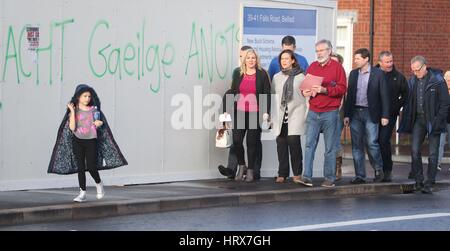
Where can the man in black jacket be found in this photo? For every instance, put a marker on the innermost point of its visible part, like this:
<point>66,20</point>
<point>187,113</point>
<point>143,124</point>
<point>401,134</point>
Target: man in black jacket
<point>398,89</point>
<point>367,105</point>
<point>425,115</point>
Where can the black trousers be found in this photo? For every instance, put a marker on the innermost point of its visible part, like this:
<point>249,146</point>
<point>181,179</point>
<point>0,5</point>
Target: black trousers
<point>419,132</point>
<point>384,139</point>
<point>246,123</point>
<point>289,145</point>
<point>85,151</point>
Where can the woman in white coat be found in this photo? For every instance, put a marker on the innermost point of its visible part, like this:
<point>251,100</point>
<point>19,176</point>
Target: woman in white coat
<point>289,116</point>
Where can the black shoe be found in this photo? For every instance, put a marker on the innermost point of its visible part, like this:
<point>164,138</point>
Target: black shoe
<point>226,172</point>
<point>357,180</point>
<point>379,176</point>
<point>418,186</point>
<point>427,190</point>
<point>387,176</point>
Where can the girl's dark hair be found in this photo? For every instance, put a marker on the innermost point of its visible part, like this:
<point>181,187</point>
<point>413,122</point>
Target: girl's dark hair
<point>78,95</point>
<point>292,54</point>
<point>95,101</point>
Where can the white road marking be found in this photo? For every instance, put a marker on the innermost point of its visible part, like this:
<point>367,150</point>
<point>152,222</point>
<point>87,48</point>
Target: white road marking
<point>361,222</point>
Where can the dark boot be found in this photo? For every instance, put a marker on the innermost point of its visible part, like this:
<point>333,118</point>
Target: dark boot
<point>387,176</point>
<point>249,177</point>
<point>338,168</point>
<point>241,171</point>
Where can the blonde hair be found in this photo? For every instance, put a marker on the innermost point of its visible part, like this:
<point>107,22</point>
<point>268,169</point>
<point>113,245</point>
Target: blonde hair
<point>244,66</point>
<point>447,75</point>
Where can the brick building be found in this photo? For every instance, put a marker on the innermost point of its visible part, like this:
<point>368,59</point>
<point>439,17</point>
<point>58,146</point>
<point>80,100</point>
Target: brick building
<point>405,27</point>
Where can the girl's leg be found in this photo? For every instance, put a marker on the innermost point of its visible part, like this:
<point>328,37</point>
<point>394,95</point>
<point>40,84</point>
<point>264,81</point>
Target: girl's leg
<point>91,159</point>
<point>79,152</point>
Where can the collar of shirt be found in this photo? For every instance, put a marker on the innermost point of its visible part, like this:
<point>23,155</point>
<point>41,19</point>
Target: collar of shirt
<point>326,64</point>
<point>368,70</point>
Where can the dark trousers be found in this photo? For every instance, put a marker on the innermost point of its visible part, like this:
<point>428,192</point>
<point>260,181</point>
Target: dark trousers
<point>85,151</point>
<point>233,161</point>
<point>289,145</point>
<point>246,123</point>
<point>419,132</point>
<point>385,144</point>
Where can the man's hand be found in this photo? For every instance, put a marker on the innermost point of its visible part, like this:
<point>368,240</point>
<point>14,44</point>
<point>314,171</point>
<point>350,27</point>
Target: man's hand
<point>307,93</point>
<point>384,122</point>
<point>346,121</point>
<point>319,89</point>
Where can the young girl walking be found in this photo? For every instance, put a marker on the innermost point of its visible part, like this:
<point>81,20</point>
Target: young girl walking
<point>85,142</point>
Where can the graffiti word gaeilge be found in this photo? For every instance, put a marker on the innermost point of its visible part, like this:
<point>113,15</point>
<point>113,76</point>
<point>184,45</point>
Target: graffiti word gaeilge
<point>146,58</point>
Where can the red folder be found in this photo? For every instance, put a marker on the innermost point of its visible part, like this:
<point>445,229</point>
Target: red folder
<point>310,81</point>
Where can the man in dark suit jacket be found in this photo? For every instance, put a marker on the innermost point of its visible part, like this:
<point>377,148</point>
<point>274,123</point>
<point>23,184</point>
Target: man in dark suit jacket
<point>367,104</point>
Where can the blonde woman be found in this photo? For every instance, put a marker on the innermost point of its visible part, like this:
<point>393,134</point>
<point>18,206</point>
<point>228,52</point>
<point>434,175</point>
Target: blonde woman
<point>252,86</point>
<point>289,116</point>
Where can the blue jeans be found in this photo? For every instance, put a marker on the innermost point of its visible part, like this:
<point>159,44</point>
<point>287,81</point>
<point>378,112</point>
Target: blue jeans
<point>442,144</point>
<point>321,122</point>
<point>339,128</point>
<point>363,131</point>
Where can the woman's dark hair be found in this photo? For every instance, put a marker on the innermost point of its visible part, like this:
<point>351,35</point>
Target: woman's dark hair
<point>292,55</point>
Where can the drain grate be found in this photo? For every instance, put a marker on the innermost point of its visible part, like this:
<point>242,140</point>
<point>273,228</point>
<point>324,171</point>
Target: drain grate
<point>407,188</point>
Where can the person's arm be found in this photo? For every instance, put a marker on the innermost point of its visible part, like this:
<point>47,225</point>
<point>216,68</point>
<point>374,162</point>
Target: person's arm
<point>304,64</point>
<point>340,88</point>
<point>267,90</point>
<point>404,93</point>
<point>273,68</point>
<point>385,97</point>
<point>348,101</point>
<point>444,102</point>
<point>97,121</point>
<point>72,124</point>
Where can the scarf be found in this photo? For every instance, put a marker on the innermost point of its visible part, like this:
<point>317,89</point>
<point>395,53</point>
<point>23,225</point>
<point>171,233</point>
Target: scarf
<point>288,89</point>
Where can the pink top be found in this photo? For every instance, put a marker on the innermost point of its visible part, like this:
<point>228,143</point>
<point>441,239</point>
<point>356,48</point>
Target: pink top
<point>85,128</point>
<point>248,101</point>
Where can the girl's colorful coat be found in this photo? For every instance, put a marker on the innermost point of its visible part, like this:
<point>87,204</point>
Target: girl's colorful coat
<point>63,159</point>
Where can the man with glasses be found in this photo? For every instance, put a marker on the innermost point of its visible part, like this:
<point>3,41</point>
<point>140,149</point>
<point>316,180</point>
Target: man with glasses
<point>425,115</point>
<point>325,100</point>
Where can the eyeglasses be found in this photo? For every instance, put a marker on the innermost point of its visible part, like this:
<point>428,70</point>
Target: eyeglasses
<point>418,70</point>
<point>317,51</point>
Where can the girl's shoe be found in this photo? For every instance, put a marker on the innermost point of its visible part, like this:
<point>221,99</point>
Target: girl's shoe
<point>81,197</point>
<point>100,191</point>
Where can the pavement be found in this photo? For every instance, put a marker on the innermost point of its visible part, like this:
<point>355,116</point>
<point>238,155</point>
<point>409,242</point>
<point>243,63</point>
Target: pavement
<point>49,205</point>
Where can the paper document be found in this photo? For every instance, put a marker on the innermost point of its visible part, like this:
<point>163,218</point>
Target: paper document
<point>310,81</point>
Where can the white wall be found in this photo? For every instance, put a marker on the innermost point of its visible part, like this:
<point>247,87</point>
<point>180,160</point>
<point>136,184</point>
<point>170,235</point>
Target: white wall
<point>137,104</point>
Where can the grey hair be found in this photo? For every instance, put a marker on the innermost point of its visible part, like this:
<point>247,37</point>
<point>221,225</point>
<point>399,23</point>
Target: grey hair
<point>327,42</point>
<point>384,54</point>
<point>419,59</point>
